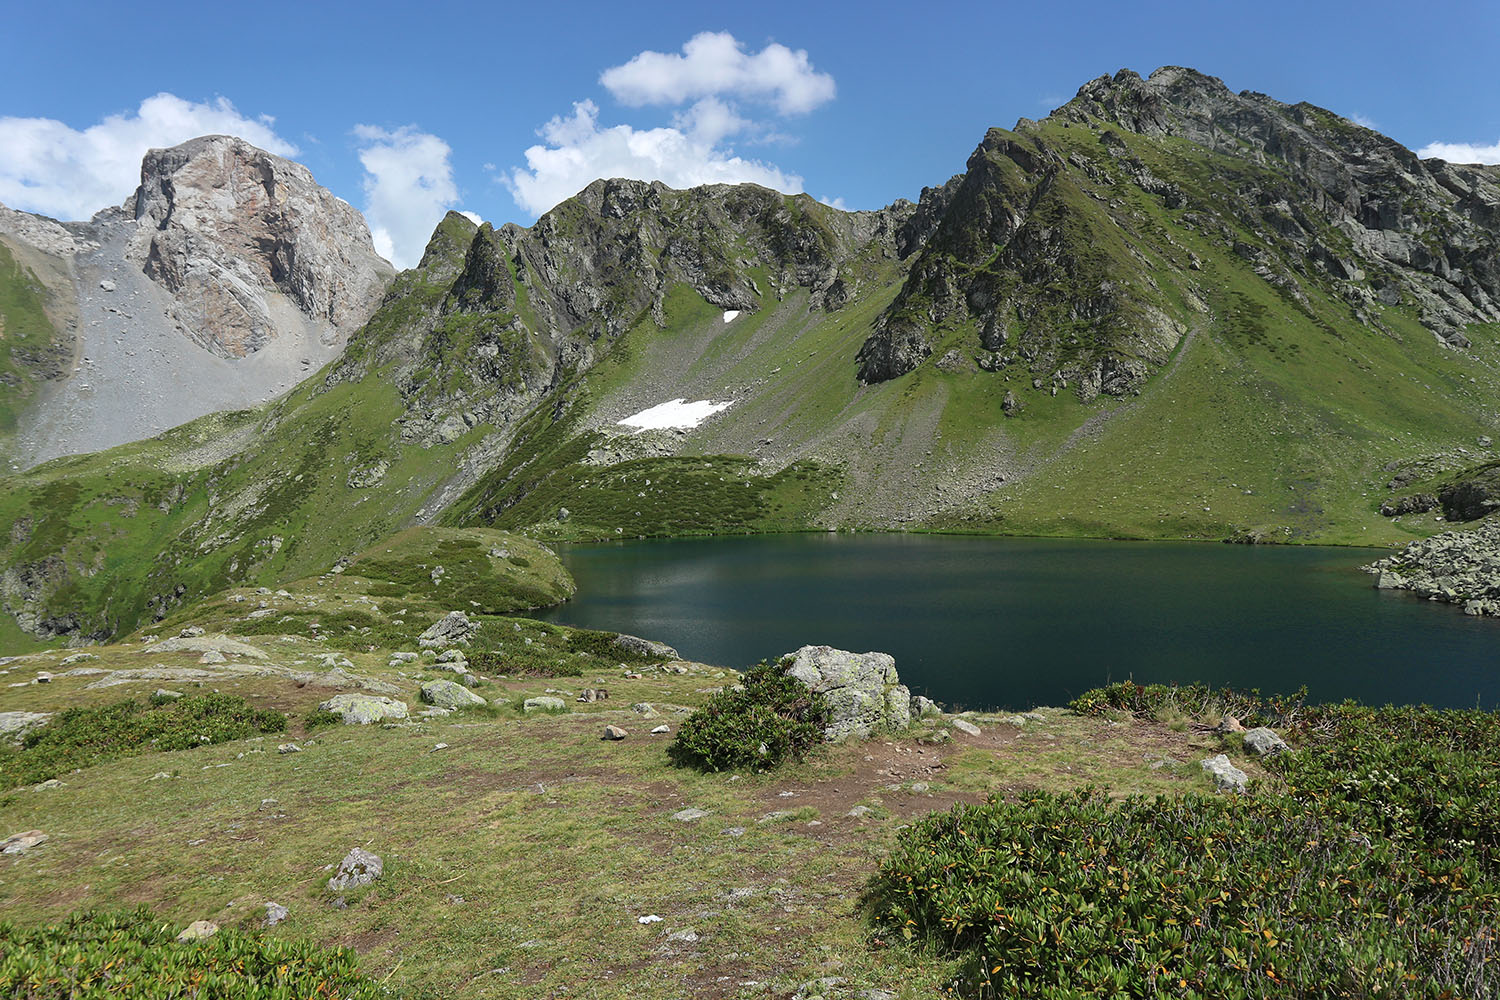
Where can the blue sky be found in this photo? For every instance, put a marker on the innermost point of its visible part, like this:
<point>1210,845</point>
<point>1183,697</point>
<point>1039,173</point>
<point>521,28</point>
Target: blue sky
<point>408,109</point>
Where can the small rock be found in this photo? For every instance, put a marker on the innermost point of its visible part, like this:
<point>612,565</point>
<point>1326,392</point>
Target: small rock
<point>644,708</point>
<point>544,703</point>
<point>1264,742</point>
<point>20,843</point>
<point>920,787</point>
<point>197,930</point>
<point>213,656</point>
<point>965,726</point>
<point>446,694</point>
<point>649,918</point>
<point>661,729</point>
<point>614,733</point>
<point>275,914</point>
<point>288,748</point>
<point>165,693</point>
<point>645,647</point>
<point>106,284</point>
<point>159,775</point>
<point>1227,777</point>
<point>859,812</point>
<point>689,815</point>
<point>43,678</point>
<point>687,936</point>
<point>440,746</point>
<point>359,867</point>
<point>733,831</point>
<point>193,631</point>
<point>47,785</point>
<point>68,661</point>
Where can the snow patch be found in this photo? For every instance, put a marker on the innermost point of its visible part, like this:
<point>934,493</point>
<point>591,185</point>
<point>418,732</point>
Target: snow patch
<point>675,413</point>
<point>730,314</point>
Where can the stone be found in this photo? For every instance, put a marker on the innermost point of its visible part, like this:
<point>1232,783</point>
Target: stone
<point>14,724</point>
<point>614,733</point>
<point>167,694</point>
<point>965,726</point>
<point>363,709</point>
<point>689,815</point>
<point>275,914</point>
<point>453,656</point>
<point>1264,742</point>
<point>1227,777</point>
<point>288,748</point>
<point>198,930</point>
<point>204,643</point>
<point>213,656</point>
<point>453,629</point>
<point>686,936</point>
<point>446,694</point>
<point>649,918</point>
<point>544,703</point>
<point>922,706</point>
<point>859,812</point>
<point>359,868</point>
<point>107,285</point>
<point>637,646</point>
<point>47,785</point>
<point>660,730</point>
<point>404,657</point>
<point>68,661</point>
<point>644,709</point>
<point>191,632</point>
<point>863,690</point>
<point>20,843</point>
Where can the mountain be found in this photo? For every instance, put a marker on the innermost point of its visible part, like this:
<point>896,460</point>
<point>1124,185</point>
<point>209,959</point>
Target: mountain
<point>223,280</point>
<point>1165,310</point>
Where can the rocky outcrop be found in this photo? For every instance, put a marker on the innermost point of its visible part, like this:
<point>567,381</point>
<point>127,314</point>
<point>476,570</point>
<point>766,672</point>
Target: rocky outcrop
<point>1457,567</point>
<point>862,689</point>
<point>363,709</point>
<point>1474,495</point>
<point>248,242</point>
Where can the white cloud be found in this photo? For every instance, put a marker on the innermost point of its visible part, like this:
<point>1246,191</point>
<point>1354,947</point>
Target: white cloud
<point>1365,121</point>
<point>1461,152</point>
<point>50,168</point>
<point>837,203</point>
<point>408,187</point>
<point>473,217</point>
<point>714,63</point>
<point>578,151</point>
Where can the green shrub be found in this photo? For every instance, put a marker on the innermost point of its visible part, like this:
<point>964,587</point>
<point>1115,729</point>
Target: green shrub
<point>99,954</point>
<point>770,719</point>
<point>1150,700</point>
<point>1071,896</point>
<point>320,717</point>
<point>83,737</point>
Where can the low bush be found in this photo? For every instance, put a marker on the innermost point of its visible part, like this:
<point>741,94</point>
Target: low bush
<point>83,737</point>
<point>771,718</point>
<point>1367,867</point>
<point>1063,896</point>
<point>99,954</point>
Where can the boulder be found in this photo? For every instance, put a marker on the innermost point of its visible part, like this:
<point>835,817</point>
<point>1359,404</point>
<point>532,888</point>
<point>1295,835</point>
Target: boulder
<point>198,930</point>
<point>20,843</point>
<point>14,724</point>
<point>446,694</point>
<point>922,706</point>
<point>637,646</point>
<point>453,629</point>
<point>614,733</point>
<point>1227,777</point>
<point>862,689</point>
<point>965,726</point>
<point>1264,742</point>
<point>363,709</point>
<point>359,868</point>
<point>544,703</point>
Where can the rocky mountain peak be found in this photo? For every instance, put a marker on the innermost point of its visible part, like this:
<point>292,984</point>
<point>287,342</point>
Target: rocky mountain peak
<point>238,235</point>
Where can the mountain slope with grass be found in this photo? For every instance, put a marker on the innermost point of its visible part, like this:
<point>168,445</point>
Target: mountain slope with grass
<point>1166,310</point>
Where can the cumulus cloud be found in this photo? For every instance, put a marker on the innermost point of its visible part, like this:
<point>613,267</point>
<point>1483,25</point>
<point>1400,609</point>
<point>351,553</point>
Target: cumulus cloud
<point>53,169</point>
<point>1462,152</point>
<point>408,188</point>
<point>578,151</point>
<point>837,203</point>
<point>715,63</point>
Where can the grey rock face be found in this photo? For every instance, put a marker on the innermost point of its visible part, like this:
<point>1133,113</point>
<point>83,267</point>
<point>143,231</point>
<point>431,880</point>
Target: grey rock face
<point>1264,742</point>
<point>446,694</point>
<point>233,231</point>
<point>14,724</point>
<point>1227,777</point>
<point>363,709</point>
<point>359,868</point>
<point>453,629</point>
<point>1417,503</point>
<point>645,647</point>
<point>862,689</point>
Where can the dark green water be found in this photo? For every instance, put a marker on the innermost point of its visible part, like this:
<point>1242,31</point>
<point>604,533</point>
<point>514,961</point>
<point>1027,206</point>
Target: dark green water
<point>987,622</point>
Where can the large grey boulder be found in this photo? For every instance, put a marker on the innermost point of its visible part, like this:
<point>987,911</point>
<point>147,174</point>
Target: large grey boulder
<point>544,703</point>
<point>862,689</point>
<point>453,629</point>
<point>446,694</point>
<point>363,709</point>
<point>359,868</point>
<point>645,647</point>
<point>13,725</point>
<point>1264,742</point>
<point>1227,777</point>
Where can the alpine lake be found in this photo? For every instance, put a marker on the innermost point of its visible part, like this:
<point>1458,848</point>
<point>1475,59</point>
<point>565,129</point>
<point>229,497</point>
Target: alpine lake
<point>980,622</point>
